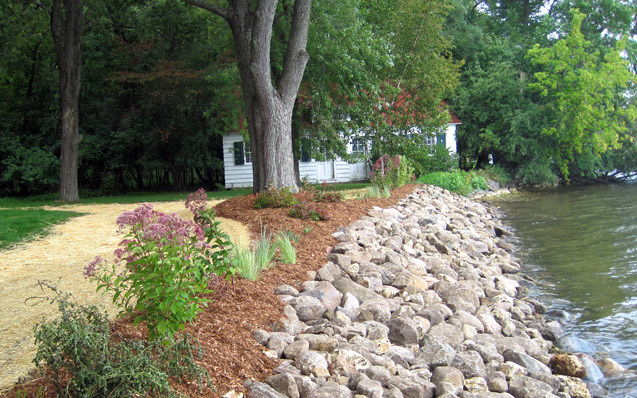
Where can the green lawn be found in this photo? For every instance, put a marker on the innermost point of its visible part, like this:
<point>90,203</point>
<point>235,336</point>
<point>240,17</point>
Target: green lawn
<point>17,225</point>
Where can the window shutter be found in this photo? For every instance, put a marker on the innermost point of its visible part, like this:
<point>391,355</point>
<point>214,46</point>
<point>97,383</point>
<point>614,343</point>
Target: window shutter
<point>238,153</point>
<point>305,155</point>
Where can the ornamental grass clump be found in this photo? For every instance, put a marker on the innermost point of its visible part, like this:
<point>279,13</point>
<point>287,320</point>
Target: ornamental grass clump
<point>286,249</point>
<point>249,263</point>
<point>163,265</point>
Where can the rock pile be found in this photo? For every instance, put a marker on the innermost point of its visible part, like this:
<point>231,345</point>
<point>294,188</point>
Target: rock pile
<point>419,300</point>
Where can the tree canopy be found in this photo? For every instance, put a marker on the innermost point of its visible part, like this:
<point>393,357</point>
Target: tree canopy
<point>547,93</point>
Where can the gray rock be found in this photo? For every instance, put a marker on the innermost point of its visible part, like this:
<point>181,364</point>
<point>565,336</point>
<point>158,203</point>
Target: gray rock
<point>379,374</point>
<point>370,388</point>
<point>375,309</point>
<point>320,342</point>
<point>308,308</point>
<point>527,387</point>
<point>412,387</point>
<point>351,361</point>
<point>400,355</point>
<point>448,380</point>
<point>403,331</point>
<point>331,390</point>
<point>435,354</point>
<point>327,294</point>
<point>285,384</point>
<point>262,390</point>
<point>444,333</point>
<point>470,364</point>
<point>532,365</point>
<point>312,363</point>
<point>295,348</point>
<point>329,272</point>
<point>345,286</point>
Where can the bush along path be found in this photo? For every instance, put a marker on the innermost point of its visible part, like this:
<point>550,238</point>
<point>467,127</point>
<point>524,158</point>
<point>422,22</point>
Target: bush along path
<point>419,300</point>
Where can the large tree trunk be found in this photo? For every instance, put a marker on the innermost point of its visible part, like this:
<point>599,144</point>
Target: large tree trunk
<point>66,27</point>
<point>268,105</point>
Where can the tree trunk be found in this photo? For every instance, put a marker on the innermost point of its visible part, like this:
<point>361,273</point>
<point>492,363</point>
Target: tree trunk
<point>268,105</point>
<point>66,28</point>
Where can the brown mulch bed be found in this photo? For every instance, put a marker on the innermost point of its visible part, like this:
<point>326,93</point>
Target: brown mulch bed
<point>225,328</point>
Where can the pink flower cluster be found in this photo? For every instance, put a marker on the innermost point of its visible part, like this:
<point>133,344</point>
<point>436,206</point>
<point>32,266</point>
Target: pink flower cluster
<point>196,202</point>
<point>149,225</point>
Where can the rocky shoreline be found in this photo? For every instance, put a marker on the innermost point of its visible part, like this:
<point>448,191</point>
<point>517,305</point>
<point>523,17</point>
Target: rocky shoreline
<point>421,300</point>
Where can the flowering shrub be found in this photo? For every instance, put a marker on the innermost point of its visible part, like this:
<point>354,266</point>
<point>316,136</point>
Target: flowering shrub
<point>307,211</point>
<point>391,172</point>
<point>164,264</point>
<point>274,198</point>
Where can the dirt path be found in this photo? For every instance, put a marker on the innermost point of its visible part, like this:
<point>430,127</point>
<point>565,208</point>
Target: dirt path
<point>60,257</point>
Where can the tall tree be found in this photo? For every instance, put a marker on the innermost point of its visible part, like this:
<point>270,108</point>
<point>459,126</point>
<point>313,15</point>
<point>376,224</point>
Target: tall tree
<point>269,102</point>
<point>66,28</point>
<point>583,94</point>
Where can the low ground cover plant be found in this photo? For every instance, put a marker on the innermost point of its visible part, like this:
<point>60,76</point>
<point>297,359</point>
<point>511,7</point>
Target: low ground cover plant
<point>164,264</point>
<point>324,195</point>
<point>459,181</point>
<point>77,349</point>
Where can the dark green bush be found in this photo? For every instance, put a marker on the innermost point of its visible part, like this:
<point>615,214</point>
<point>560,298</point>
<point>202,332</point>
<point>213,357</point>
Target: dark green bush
<point>76,346</point>
<point>308,211</point>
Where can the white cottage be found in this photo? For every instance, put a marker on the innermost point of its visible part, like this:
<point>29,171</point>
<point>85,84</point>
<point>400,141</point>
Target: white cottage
<point>237,160</point>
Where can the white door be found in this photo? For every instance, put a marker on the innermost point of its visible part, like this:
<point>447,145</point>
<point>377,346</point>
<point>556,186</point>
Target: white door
<point>326,170</point>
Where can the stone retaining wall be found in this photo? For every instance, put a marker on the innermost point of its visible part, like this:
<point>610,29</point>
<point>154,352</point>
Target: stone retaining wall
<point>420,300</point>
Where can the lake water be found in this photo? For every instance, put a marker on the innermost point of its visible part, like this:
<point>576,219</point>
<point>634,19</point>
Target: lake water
<point>580,245</point>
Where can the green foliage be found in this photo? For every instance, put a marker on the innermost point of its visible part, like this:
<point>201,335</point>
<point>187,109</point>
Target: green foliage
<point>432,158</point>
<point>17,225</point>
<point>286,248</point>
<point>391,172</point>
<point>584,90</point>
<point>275,198</point>
<point>77,345</point>
<point>167,264</point>
<point>308,211</point>
<point>496,173</point>
<point>461,182</point>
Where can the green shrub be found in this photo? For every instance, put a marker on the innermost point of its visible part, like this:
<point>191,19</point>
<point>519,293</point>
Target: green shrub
<point>284,244</point>
<point>461,182</point>
<point>324,196</point>
<point>432,159</point>
<point>275,198</point>
<point>77,346</point>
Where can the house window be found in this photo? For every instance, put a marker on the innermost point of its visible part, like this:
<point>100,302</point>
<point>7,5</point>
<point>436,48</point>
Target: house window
<point>359,147</point>
<point>247,152</point>
<point>242,153</point>
<point>430,141</point>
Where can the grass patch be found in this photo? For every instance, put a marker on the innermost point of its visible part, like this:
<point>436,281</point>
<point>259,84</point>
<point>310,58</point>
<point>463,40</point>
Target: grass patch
<point>17,225</point>
<point>376,192</point>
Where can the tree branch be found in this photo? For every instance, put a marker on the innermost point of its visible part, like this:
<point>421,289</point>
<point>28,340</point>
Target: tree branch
<point>260,47</point>
<point>296,56</point>
<point>220,11</point>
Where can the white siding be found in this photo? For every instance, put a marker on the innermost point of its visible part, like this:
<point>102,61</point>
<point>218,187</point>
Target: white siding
<point>450,138</point>
<point>235,176</point>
